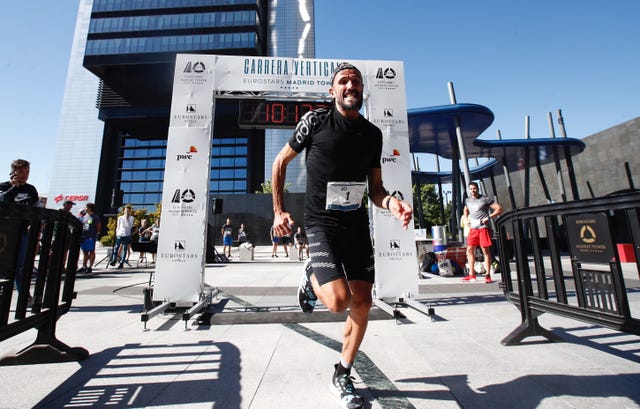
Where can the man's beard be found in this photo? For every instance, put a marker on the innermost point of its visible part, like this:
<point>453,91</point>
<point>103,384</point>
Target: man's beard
<point>350,107</point>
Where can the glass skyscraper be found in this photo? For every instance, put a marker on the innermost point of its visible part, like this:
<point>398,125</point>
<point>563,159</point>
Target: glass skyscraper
<point>129,46</point>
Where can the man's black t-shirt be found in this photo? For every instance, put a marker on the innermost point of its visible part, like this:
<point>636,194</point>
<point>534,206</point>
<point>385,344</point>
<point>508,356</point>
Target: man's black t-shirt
<point>338,150</point>
<point>25,194</point>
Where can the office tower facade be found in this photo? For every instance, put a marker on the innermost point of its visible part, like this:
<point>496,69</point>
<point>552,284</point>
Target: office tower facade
<point>79,137</point>
<point>129,53</point>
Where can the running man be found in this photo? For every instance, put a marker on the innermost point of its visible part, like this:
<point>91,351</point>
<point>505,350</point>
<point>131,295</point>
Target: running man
<point>342,161</point>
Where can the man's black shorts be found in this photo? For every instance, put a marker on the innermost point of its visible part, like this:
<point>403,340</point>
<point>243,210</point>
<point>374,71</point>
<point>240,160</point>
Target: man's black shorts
<point>341,252</point>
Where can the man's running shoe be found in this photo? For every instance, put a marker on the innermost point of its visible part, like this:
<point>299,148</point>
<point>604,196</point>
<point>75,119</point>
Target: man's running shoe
<point>469,279</point>
<point>488,279</point>
<point>306,296</point>
<point>342,386</point>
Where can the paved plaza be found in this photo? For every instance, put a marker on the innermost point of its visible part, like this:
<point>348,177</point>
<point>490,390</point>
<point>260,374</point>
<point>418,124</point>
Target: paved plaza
<point>257,351</point>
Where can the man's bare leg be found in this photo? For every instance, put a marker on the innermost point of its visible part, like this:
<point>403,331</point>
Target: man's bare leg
<point>471,259</point>
<point>338,296</point>
<point>356,324</point>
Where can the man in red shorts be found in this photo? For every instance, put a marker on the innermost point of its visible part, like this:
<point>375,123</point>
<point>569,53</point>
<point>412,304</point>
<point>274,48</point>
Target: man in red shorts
<point>478,210</point>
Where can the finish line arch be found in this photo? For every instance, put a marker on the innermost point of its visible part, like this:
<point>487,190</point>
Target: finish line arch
<point>198,81</point>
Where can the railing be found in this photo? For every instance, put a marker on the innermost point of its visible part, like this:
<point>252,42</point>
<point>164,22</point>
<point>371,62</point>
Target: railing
<point>589,286</point>
<point>48,240</point>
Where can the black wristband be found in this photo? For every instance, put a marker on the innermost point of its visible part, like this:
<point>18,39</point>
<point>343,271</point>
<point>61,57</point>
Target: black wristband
<point>387,199</point>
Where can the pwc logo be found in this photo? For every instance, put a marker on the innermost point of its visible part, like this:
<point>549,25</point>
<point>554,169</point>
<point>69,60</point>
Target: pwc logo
<point>187,155</point>
<point>392,158</point>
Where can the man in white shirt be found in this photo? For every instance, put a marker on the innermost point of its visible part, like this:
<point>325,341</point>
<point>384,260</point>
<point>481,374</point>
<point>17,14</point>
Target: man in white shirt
<point>123,236</point>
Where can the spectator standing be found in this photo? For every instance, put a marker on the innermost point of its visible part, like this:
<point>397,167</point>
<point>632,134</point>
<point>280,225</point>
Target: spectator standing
<point>67,206</point>
<point>301,242</point>
<point>478,211</point>
<point>274,240</point>
<point>155,233</point>
<point>124,225</point>
<point>144,236</point>
<point>227,238</point>
<point>90,228</point>
<point>17,190</point>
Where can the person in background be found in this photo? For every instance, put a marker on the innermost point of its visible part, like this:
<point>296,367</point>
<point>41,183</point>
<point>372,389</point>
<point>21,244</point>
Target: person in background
<point>124,225</point>
<point>242,234</point>
<point>155,233</point>
<point>478,211</point>
<point>343,161</point>
<point>67,206</point>
<point>301,242</point>
<point>17,190</point>
<point>144,236</point>
<point>90,228</point>
<point>227,238</point>
<point>276,240</point>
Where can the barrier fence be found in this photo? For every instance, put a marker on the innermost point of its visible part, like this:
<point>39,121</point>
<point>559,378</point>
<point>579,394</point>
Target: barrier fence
<point>592,287</point>
<point>39,251</point>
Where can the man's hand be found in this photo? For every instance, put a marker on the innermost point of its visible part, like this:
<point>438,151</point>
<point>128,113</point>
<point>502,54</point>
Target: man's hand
<point>401,210</point>
<point>282,223</point>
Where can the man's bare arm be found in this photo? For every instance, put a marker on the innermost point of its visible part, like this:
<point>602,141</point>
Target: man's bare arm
<point>282,220</point>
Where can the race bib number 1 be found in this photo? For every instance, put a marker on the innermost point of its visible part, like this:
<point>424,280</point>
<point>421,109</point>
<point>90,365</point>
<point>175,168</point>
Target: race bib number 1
<point>345,196</point>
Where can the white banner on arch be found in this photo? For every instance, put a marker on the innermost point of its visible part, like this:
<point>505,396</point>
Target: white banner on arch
<point>198,80</point>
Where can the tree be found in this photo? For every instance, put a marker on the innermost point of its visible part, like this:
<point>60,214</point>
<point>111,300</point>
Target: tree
<point>138,214</point>
<point>266,187</point>
<point>430,207</point>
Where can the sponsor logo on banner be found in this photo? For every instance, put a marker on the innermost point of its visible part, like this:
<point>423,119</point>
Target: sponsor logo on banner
<point>179,257</point>
<point>386,79</point>
<point>180,203</point>
<point>187,155</point>
<point>73,198</point>
<point>288,74</point>
<point>197,67</point>
<point>194,74</point>
<point>190,115</point>
<point>395,251</point>
<point>388,119</point>
<point>180,254</point>
<point>391,158</point>
<point>386,73</point>
<point>397,194</point>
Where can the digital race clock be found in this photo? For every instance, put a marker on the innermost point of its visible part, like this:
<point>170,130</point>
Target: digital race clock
<point>256,113</point>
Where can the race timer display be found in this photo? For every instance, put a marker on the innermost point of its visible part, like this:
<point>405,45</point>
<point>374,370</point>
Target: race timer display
<point>255,113</point>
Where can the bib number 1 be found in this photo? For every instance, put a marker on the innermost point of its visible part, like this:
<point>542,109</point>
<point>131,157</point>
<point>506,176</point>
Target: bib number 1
<point>344,196</point>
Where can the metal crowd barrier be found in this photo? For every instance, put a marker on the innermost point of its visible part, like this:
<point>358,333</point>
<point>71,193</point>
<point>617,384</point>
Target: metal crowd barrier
<point>587,233</point>
<point>44,245</point>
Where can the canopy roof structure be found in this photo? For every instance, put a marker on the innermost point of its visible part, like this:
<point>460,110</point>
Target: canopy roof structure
<point>438,130</point>
<point>433,130</point>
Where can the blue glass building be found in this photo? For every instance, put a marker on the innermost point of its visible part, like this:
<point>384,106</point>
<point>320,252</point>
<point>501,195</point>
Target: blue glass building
<point>130,48</point>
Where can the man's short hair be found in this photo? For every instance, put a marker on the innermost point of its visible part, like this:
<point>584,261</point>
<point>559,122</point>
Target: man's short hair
<point>344,66</point>
<point>473,184</point>
<point>91,207</point>
<point>20,163</point>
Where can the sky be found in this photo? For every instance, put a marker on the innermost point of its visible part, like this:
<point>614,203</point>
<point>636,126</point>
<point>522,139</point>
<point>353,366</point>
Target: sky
<point>516,58</point>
